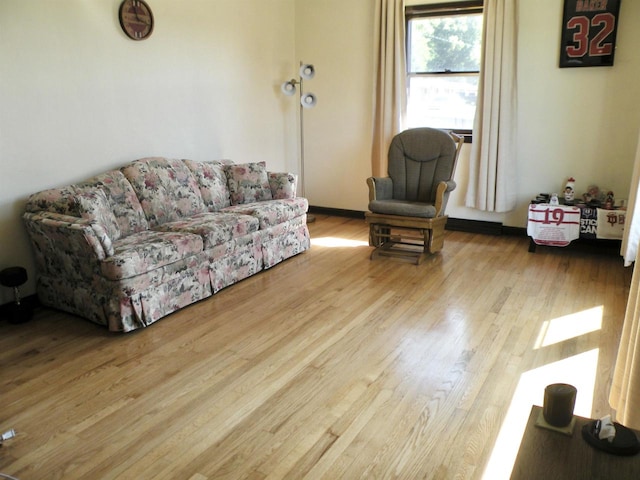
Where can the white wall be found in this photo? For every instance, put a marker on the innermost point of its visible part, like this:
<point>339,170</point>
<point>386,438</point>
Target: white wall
<point>336,37</point>
<point>77,97</point>
<point>580,122</point>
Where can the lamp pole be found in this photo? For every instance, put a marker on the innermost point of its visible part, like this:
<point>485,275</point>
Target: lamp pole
<point>306,100</point>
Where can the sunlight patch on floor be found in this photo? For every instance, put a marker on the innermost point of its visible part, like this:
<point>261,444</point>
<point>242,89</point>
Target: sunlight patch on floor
<point>570,326</point>
<point>334,242</point>
<point>579,371</point>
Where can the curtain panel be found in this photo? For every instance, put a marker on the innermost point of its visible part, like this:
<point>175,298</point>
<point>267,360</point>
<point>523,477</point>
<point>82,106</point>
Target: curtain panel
<point>624,397</point>
<point>631,235</point>
<point>492,169</point>
<point>625,388</point>
<point>390,88</point>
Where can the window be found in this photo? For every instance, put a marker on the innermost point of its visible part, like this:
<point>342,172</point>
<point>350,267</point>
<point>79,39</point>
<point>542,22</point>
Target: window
<point>443,63</point>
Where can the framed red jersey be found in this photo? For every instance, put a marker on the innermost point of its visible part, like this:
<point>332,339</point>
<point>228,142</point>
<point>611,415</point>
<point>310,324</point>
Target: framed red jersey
<point>589,30</point>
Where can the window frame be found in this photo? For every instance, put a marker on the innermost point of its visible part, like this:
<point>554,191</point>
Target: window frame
<point>448,9</point>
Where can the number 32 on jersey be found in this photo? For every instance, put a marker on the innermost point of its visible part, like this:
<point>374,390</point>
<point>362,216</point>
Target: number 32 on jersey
<point>589,33</point>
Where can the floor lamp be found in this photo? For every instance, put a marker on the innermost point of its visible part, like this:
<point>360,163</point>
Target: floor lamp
<point>307,100</point>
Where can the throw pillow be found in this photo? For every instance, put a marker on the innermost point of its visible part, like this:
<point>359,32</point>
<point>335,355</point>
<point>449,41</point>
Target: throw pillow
<point>248,183</point>
<point>283,185</point>
<point>94,205</point>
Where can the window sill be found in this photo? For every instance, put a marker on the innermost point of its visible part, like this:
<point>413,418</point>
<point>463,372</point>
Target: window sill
<point>466,134</point>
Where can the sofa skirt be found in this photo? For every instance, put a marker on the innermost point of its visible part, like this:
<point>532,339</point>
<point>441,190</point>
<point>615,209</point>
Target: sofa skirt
<point>284,241</point>
<point>132,303</point>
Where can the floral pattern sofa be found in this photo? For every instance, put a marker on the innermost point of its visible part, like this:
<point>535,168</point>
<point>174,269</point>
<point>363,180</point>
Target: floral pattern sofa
<point>132,245</point>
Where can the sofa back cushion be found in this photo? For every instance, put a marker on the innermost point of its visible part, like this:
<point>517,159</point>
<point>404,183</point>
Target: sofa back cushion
<point>94,205</point>
<point>248,183</point>
<point>166,189</point>
<point>212,182</point>
<point>119,197</point>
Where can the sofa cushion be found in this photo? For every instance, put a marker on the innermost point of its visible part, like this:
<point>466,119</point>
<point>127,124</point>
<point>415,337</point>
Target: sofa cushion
<point>167,189</point>
<point>212,182</point>
<point>273,212</point>
<point>248,182</point>
<point>283,185</point>
<point>214,228</point>
<point>145,251</point>
<point>122,199</point>
<point>94,205</point>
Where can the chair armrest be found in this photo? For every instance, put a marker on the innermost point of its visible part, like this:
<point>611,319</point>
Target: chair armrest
<point>442,195</point>
<point>283,185</point>
<point>451,185</point>
<point>380,188</point>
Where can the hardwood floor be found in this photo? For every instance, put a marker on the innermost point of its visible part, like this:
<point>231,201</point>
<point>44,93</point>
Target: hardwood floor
<point>327,366</point>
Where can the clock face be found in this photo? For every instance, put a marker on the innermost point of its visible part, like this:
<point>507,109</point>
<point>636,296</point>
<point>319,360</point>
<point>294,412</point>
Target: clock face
<point>136,19</point>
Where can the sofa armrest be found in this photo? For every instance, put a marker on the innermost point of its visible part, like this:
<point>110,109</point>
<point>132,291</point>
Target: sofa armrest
<point>380,188</point>
<point>283,185</point>
<point>65,246</point>
<point>105,246</point>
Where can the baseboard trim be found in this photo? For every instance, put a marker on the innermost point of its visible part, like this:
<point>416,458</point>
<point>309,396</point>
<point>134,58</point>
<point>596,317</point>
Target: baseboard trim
<point>454,224</point>
<point>338,212</point>
<point>515,231</point>
<point>474,226</point>
<point>484,227</point>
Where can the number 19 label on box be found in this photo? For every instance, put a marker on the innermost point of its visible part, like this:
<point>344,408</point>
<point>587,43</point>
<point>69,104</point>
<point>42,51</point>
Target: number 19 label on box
<point>589,30</point>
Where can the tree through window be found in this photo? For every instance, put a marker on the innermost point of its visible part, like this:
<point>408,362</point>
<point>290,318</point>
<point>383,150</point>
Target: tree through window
<point>443,64</point>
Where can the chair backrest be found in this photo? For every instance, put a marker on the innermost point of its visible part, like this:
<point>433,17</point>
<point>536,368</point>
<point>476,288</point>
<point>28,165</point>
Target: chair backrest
<point>419,159</point>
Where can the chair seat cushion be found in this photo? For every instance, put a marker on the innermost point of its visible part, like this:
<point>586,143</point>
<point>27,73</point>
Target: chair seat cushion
<point>403,208</point>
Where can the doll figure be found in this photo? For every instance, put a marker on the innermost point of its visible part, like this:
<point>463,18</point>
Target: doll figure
<point>569,191</point>
<point>609,201</point>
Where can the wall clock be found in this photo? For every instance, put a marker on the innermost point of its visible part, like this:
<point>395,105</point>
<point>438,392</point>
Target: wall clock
<point>136,19</point>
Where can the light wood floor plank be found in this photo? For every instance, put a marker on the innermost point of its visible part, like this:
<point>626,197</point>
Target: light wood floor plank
<point>326,366</point>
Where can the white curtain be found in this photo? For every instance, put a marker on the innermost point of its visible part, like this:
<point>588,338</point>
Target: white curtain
<point>390,80</point>
<point>625,389</point>
<point>631,236</point>
<point>492,168</point>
